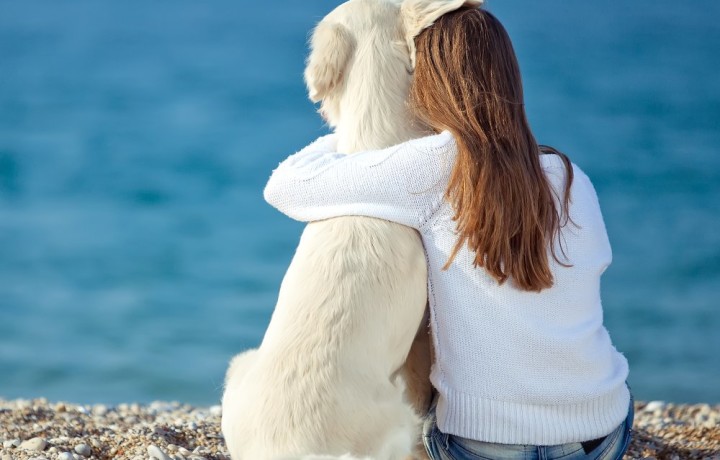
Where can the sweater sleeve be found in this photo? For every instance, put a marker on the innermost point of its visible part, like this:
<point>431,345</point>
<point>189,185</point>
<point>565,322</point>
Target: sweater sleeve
<point>404,183</point>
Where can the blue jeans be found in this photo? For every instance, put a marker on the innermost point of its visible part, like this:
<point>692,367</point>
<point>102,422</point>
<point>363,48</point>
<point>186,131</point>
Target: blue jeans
<point>441,446</point>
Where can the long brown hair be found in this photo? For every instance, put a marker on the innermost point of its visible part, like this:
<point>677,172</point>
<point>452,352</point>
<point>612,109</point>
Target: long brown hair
<point>467,80</point>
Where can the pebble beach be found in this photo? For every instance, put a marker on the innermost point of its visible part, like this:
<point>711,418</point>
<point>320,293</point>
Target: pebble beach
<point>42,430</point>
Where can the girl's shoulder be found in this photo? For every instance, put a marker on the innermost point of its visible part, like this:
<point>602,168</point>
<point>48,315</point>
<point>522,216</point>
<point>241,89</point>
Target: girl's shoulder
<point>440,140</point>
<point>552,162</point>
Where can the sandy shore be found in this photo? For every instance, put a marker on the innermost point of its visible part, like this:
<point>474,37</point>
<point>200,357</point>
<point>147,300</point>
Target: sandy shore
<point>39,429</point>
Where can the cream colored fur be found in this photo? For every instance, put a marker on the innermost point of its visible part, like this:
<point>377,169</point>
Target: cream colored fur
<point>328,379</point>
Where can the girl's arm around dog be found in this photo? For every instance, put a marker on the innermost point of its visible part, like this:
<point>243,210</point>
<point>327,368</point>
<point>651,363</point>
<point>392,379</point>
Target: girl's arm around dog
<point>404,183</point>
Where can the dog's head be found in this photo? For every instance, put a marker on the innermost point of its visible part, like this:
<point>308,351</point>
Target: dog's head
<point>372,42</point>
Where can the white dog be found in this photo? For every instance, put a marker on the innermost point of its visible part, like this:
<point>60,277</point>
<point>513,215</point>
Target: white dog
<point>328,378</point>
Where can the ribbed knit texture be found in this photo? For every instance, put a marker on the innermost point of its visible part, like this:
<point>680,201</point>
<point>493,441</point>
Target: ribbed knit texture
<point>512,366</point>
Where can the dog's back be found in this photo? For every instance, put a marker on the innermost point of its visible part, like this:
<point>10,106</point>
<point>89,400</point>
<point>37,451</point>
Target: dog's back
<point>322,381</point>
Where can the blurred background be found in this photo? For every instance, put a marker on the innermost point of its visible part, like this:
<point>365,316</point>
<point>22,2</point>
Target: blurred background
<point>137,254</point>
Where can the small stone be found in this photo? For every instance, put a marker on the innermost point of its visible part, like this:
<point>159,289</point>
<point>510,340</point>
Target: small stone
<point>52,450</point>
<point>216,411</point>
<point>653,406</point>
<point>99,410</point>
<point>10,443</point>
<point>704,409</point>
<point>178,457</point>
<point>157,453</point>
<point>65,456</point>
<point>34,444</point>
<point>7,457</point>
<point>60,407</point>
<point>83,449</point>
<point>24,404</point>
<point>157,406</point>
<point>184,452</point>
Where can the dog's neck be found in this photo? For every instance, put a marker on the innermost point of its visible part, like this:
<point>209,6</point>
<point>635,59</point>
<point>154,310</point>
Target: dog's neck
<point>377,128</point>
<point>373,109</point>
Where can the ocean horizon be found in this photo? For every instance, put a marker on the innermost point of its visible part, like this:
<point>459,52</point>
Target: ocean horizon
<point>137,255</point>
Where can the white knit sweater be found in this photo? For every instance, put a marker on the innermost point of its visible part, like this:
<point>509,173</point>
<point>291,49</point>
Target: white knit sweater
<point>512,366</point>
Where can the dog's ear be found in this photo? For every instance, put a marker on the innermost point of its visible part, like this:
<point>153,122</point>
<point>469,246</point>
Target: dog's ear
<point>418,15</point>
<point>331,47</point>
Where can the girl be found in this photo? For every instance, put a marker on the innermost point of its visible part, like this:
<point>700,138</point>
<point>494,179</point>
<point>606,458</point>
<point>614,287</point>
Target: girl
<point>515,243</point>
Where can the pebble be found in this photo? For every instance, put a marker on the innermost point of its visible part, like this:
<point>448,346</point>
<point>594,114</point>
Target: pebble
<point>34,444</point>
<point>158,406</point>
<point>704,409</point>
<point>83,449</point>
<point>157,453</point>
<point>11,443</point>
<point>662,431</point>
<point>24,404</point>
<point>653,406</point>
<point>99,410</point>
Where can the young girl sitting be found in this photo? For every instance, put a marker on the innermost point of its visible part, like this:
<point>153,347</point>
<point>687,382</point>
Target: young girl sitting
<point>516,246</point>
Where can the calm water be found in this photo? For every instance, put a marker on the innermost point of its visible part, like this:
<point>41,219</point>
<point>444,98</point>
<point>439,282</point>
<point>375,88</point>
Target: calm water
<point>137,254</point>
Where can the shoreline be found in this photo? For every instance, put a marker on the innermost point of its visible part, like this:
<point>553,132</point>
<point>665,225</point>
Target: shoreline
<point>38,429</point>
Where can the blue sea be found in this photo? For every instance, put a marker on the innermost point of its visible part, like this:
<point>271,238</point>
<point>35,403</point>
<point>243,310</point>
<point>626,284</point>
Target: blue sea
<point>137,254</point>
